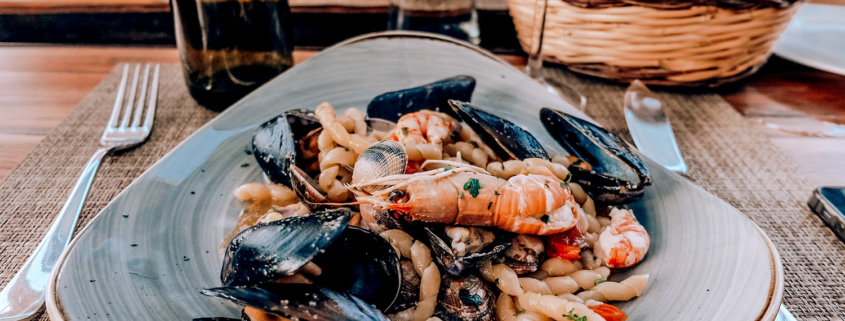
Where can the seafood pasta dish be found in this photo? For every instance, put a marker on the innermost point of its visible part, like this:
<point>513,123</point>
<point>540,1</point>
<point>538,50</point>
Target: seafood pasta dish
<point>427,207</point>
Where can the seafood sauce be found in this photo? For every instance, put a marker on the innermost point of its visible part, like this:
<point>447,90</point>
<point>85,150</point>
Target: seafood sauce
<point>230,47</point>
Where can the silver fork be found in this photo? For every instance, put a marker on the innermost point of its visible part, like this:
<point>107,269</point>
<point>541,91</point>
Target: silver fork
<point>24,295</point>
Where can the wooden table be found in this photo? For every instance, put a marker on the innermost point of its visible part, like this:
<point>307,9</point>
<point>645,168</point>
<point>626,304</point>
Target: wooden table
<point>39,86</point>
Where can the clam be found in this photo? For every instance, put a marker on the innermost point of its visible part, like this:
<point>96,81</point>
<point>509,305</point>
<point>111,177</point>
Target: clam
<point>503,136</point>
<point>466,248</point>
<point>352,260</point>
<point>525,254</point>
<point>300,302</point>
<point>465,298</point>
<point>381,159</point>
<point>274,143</point>
<point>617,175</point>
<point>434,96</point>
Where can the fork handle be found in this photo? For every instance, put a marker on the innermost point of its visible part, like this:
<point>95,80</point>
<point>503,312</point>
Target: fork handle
<point>24,294</point>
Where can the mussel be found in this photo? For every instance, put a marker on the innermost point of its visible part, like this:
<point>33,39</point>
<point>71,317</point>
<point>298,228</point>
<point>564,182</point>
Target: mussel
<point>503,136</point>
<point>458,248</point>
<point>352,260</point>
<point>298,301</point>
<point>274,143</point>
<point>617,175</point>
<point>465,298</point>
<point>434,96</point>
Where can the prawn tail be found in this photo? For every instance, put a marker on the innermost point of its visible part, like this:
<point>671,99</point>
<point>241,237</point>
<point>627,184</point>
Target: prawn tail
<point>405,208</point>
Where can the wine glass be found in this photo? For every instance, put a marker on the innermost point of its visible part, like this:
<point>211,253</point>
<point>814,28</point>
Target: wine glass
<point>534,67</point>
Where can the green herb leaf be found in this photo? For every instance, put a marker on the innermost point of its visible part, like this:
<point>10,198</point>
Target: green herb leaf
<point>447,168</point>
<point>497,281</point>
<point>518,313</point>
<point>568,178</point>
<point>405,131</point>
<point>574,317</point>
<point>473,185</point>
<point>497,193</point>
<point>247,151</point>
<point>564,185</point>
<point>125,216</point>
<point>489,205</point>
<point>245,165</point>
<point>545,219</point>
<point>600,281</point>
<point>461,194</point>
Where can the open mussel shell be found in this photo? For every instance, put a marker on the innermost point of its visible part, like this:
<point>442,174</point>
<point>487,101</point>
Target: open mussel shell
<point>308,190</point>
<point>455,264</point>
<point>618,175</point>
<point>505,138</point>
<point>269,251</point>
<point>300,302</point>
<point>274,143</point>
<point>361,263</point>
<point>465,298</point>
<point>434,96</point>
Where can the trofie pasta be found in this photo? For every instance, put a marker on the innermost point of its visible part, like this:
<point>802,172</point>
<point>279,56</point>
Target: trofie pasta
<point>473,236</point>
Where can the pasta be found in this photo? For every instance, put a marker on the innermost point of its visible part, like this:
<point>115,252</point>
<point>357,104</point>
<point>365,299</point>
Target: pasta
<point>626,290</point>
<point>559,275</point>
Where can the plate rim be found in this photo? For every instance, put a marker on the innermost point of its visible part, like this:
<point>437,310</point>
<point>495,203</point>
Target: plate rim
<point>54,308</point>
<point>801,60</point>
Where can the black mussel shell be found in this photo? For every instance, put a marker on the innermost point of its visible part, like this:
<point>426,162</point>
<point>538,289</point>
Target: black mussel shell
<point>308,190</point>
<point>361,263</point>
<point>505,138</point>
<point>456,265</point>
<point>300,302</point>
<point>434,96</point>
<point>465,298</point>
<point>618,175</point>
<point>274,142</point>
<point>273,250</point>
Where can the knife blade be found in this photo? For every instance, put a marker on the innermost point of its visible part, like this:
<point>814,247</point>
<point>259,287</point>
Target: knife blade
<point>650,128</point>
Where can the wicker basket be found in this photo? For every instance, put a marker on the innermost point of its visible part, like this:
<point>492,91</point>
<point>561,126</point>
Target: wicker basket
<point>660,42</point>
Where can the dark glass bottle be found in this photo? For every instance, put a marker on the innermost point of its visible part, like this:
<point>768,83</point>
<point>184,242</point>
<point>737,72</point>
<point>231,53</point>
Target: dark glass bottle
<point>230,47</point>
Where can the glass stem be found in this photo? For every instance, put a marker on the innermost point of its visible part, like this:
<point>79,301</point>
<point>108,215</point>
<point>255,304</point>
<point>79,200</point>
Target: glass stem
<point>535,54</point>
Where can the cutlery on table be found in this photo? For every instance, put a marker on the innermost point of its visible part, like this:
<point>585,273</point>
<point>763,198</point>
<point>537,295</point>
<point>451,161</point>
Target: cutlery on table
<point>650,128</point>
<point>653,136</point>
<point>24,295</point>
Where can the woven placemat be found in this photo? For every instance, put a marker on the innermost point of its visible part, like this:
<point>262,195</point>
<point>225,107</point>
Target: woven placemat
<point>725,156</point>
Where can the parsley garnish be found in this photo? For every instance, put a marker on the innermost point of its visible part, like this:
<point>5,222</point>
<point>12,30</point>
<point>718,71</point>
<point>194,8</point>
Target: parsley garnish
<point>568,178</point>
<point>461,194</point>
<point>447,168</point>
<point>490,204</point>
<point>545,219</point>
<point>247,151</point>
<point>518,313</point>
<point>574,317</point>
<point>600,281</point>
<point>497,281</point>
<point>405,131</point>
<point>473,185</point>
<point>245,165</point>
<point>564,185</point>
<point>497,192</point>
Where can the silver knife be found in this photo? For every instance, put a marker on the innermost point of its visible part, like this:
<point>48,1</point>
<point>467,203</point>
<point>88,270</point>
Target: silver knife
<point>650,128</point>
<point>653,136</point>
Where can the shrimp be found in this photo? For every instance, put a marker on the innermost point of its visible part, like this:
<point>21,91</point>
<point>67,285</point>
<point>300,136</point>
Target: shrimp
<point>421,128</point>
<point>625,242</point>
<point>535,202</point>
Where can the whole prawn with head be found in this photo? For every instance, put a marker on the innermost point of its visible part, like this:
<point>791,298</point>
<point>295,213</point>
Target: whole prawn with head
<point>423,133</point>
<point>533,202</point>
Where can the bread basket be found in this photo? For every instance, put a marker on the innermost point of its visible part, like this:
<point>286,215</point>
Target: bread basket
<point>664,42</point>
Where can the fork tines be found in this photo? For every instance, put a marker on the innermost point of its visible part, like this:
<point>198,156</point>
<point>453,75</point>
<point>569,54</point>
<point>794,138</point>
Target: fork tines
<point>132,107</point>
